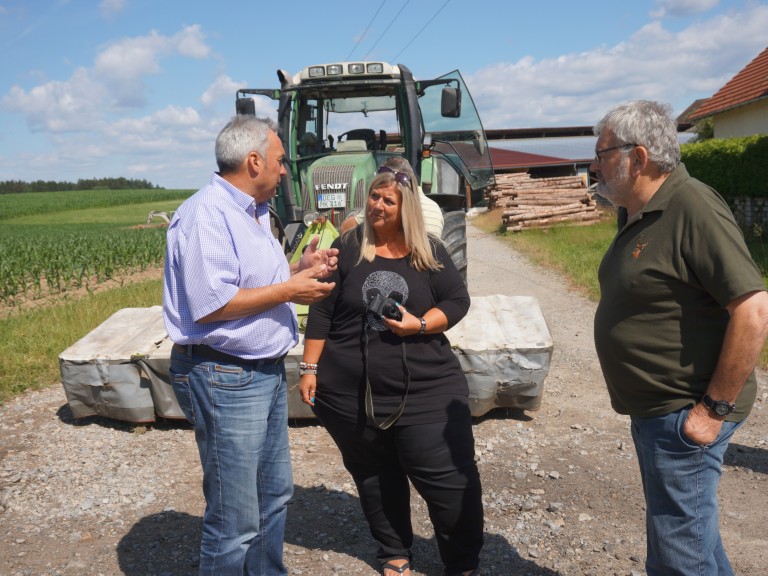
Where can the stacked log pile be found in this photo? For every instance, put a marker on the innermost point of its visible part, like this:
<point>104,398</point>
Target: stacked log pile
<point>543,202</point>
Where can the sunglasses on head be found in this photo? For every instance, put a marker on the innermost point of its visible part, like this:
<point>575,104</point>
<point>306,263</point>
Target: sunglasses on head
<point>400,177</point>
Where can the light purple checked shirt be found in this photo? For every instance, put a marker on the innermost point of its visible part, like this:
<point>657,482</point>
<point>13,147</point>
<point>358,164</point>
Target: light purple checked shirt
<point>219,241</point>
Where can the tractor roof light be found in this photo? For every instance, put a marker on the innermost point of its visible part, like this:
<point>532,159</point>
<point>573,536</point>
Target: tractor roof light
<point>335,70</point>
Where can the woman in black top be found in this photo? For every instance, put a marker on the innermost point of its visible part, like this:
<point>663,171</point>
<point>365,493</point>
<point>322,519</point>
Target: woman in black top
<point>383,380</point>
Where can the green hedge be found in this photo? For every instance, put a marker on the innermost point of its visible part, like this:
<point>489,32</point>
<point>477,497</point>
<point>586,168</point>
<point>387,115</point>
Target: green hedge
<point>732,166</point>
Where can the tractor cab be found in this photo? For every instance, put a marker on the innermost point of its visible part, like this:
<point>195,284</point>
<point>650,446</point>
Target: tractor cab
<point>339,123</point>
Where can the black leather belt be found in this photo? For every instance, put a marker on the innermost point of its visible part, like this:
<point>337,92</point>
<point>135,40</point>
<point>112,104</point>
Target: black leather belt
<point>216,356</point>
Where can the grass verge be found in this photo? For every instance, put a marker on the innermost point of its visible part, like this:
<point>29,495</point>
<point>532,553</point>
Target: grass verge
<point>32,341</point>
<point>576,252</point>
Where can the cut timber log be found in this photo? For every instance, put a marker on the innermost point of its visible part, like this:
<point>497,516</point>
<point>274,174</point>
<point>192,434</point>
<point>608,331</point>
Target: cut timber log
<point>538,214</point>
<point>542,202</point>
<point>584,219</point>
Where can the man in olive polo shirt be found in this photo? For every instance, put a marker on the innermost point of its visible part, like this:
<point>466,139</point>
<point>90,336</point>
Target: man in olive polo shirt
<point>682,319</point>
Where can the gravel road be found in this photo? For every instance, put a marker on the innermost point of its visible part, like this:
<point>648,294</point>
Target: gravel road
<point>561,489</point>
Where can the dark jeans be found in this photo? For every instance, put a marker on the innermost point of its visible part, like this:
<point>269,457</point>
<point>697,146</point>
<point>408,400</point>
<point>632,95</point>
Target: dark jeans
<point>439,461</point>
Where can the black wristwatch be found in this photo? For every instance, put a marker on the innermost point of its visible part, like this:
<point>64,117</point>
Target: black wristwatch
<point>719,407</point>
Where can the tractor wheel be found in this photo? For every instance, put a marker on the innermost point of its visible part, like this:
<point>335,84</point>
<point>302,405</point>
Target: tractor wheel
<point>455,239</point>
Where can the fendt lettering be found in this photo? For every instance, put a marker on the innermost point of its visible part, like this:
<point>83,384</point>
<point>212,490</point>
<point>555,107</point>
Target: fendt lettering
<point>337,186</point>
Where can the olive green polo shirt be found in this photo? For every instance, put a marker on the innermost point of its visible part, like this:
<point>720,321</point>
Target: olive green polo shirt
<point>664,282</point>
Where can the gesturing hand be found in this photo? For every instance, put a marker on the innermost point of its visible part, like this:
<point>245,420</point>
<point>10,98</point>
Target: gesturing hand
<point>312,257</point>
<point>305,288</point>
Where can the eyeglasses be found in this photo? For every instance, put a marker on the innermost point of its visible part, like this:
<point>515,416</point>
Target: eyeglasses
<point>604,150</point>
<point>400,177</point>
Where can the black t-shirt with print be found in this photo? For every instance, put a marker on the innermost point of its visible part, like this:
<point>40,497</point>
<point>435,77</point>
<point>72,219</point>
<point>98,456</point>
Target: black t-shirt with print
<point>437,382</point>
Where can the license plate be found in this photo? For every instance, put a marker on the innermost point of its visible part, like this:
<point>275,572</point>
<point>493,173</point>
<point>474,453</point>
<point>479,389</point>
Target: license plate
<point>331,200</point>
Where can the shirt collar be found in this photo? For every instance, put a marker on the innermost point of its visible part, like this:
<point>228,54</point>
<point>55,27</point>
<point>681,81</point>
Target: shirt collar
<point>666,191</point>
<point>661,198</point>
<point>247,203</point>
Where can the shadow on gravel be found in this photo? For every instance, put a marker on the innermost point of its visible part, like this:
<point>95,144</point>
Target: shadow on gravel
<point>755,459</point>
<point>504,414</point>
<point>319,519</point>
<point>164,544</point>
<point>64,414</point>
<point>331,521</point>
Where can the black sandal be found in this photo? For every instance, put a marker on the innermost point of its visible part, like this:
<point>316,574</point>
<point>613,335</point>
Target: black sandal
<point>398,569</point>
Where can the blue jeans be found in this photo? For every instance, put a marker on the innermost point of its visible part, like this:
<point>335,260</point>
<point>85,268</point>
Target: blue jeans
<point>240,416</point>
<point>680,480</point>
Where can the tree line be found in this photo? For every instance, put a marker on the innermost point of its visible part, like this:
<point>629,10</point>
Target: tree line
<point>16,186</point>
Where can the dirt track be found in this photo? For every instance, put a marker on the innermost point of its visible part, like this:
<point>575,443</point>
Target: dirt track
<point>561,489</point>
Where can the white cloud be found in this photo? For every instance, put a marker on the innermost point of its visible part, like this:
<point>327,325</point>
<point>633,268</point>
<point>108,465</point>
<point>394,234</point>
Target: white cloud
<point>93,134</point>
<point>655,63</point>
<point>70,106</point>
<point>682,8</point>
<point>116,80</point>
<point>123,64</point>
<point>172,147</point>
<point>222,88</point>
<point>190,42</point>
<point>111,8</point>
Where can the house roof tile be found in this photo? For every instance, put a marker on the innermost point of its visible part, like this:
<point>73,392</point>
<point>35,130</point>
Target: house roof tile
<point>749,85</point>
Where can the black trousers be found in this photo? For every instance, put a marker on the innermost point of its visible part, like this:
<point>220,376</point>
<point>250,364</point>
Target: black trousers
<point>439,461</point>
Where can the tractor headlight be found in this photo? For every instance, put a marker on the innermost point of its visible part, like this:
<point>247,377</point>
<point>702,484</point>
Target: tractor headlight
<point>352,213</point>
<point>309,217</point>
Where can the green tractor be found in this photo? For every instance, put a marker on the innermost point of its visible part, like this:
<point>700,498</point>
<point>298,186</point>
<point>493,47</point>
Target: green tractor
<point>340,122</point>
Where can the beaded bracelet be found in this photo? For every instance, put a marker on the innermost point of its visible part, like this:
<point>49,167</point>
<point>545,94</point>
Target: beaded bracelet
<point>307,368</point>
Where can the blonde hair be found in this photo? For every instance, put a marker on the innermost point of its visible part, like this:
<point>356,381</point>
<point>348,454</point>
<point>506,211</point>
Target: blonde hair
<point>414,231</point>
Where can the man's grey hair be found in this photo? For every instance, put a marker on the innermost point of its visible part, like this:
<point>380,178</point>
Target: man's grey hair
<point>401,165</point>
<point>649,124</point>
<point>241,136</point>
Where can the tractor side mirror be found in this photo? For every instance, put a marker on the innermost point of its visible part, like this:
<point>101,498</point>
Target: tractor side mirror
<point>246,106</point>
<point>450,102</point>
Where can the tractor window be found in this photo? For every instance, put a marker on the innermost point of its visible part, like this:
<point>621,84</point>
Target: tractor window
<point>461,140</point>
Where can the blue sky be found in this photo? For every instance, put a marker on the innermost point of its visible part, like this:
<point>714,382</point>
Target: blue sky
<point>140,88</point>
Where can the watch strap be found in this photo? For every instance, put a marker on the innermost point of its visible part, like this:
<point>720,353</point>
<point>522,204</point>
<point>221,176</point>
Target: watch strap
<point>719,407</point>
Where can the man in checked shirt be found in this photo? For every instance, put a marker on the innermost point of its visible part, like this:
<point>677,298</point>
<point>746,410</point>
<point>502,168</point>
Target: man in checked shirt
<point>228,304</point>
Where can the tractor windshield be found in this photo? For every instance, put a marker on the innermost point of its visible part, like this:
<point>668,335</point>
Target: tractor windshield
<point>364,104</point>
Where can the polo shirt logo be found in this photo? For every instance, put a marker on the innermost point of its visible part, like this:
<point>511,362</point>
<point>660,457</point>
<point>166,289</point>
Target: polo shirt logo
<point>640,247</point>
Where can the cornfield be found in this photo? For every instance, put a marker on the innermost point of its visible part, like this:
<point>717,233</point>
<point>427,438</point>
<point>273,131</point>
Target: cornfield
<point>30,203</point>
<point>46,250</point>
<point>37,263</point>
